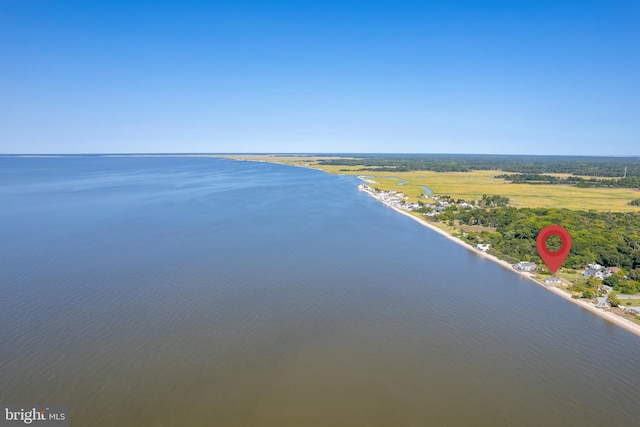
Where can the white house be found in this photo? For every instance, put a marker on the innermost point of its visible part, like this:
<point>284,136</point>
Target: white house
<point>553,280</point>
<point>592,272</point>
<point>525,266</point>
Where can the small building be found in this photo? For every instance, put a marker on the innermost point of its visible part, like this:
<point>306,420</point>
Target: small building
<point>595,266</point>
<point>483,248</point>
<point>602,302</point>
<point>611,270</point>
<point>525,266</point>
<point>553,280</point>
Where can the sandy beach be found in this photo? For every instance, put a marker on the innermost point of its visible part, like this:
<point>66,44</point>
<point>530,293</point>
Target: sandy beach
<point>607,315</point>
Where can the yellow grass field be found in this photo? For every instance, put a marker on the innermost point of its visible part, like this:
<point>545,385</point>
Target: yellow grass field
<point>472,185</point>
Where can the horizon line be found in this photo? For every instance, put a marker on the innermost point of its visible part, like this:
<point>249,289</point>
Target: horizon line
<point>305,153</point>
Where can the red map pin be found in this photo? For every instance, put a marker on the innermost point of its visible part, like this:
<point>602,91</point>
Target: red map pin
<point>553,259</point>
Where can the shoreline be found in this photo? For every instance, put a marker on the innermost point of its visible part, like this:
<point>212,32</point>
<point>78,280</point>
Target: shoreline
<point>607,315</point>
<point>617,320</point>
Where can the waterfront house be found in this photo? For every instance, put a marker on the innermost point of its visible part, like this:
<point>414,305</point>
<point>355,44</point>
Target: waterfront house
<point>525,266</point>
<point>483,248</point>
<point>553,280</point>
<point>602,302</point>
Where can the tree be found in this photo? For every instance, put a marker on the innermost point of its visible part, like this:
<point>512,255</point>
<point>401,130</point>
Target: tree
<point>614,301</point>
<point>593,281</point>
<point>612,280</point>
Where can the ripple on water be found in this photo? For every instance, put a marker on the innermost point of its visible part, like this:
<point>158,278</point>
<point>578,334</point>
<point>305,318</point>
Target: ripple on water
<point>257,294</point>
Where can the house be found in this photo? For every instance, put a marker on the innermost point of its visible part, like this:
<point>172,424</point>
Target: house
<point>553,280</point>
<point>525,266</point>
<point>611,270</point>
<point>592,272</point>
<point>483,248</point>
<point>595,266</point>
<point>602,302</point>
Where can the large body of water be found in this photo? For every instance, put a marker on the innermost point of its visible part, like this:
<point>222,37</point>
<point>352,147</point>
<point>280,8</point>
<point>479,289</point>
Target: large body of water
<point>200,291</point>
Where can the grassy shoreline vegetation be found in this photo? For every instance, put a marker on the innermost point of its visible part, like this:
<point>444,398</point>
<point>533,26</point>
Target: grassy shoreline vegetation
<point>508,210</point>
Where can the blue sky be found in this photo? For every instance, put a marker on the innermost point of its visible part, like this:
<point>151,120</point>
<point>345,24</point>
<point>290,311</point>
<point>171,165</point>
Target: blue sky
<point>522,77</point>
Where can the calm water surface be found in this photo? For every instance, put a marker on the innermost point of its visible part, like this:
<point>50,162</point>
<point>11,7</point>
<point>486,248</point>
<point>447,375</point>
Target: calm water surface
<point>199,291</point>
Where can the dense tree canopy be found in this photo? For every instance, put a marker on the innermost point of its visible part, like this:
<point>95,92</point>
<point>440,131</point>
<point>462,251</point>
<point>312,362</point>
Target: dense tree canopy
<point>610,239</point>
<point>577,165</point>
<point>534,178</point>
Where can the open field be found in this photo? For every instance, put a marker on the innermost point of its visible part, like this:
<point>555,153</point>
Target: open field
<point>476,228</point>
<point>625,301</point>
<point>472,185</point>
<point>575,278</point>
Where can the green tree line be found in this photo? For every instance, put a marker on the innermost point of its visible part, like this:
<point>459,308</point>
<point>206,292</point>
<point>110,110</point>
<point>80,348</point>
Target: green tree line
<point>607,238</point>
<point>613,167</point>
<point>533,178</point>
